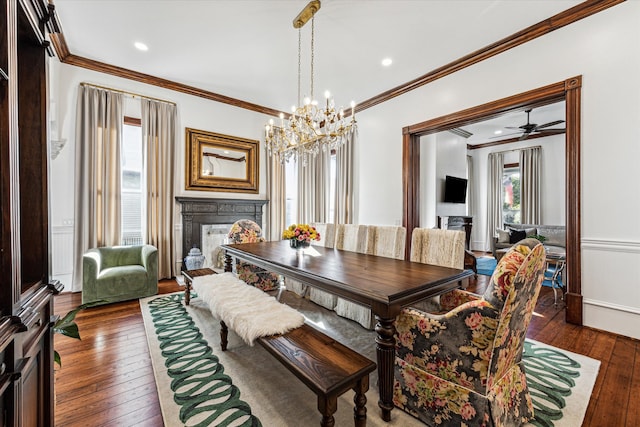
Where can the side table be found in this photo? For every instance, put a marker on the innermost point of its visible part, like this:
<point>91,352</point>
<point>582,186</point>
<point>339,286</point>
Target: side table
<point>189,275</point>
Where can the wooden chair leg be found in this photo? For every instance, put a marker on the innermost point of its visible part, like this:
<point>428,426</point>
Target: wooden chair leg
<point>224,333</point>
<point>327,405</point>
<point>360,400</point>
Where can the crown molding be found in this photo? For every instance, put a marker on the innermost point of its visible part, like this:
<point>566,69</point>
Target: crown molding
<point>562,19</point>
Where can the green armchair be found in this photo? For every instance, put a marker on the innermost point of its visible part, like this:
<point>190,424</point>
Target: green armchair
<point>119,273</point>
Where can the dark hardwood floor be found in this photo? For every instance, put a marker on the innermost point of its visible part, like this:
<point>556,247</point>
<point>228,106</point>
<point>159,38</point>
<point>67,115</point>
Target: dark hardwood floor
<point>107,380</point>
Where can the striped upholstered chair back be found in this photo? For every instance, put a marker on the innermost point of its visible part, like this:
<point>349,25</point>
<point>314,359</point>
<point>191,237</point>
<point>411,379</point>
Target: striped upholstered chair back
<point>327,234</point>
<point>438,247</point>
<point>385,241</point>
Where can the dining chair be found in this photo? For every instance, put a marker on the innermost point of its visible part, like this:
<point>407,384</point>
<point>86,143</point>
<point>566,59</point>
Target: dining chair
<point>348,237</point>
<point>385,241</point>
<point>247,231</point>
<point>327,239</point>
<point>438,247</point>
<point>464,367</point>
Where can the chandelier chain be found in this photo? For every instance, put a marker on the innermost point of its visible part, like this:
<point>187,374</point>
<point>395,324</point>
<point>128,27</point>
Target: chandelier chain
<point>311,128</point>
<point>313,22</point>
<point>299,62</point>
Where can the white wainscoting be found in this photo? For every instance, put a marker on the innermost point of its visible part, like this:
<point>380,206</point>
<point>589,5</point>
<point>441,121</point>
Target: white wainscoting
<point>62,254</point>
<point>611,285</point>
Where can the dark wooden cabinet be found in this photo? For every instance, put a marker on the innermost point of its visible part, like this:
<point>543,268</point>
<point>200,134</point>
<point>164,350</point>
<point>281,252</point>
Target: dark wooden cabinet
<point>458,223</point>
<point>461,223</point>
<point>26,303</point>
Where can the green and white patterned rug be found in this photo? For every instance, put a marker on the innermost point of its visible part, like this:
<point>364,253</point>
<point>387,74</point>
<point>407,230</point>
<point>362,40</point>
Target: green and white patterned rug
<point>199,385</point>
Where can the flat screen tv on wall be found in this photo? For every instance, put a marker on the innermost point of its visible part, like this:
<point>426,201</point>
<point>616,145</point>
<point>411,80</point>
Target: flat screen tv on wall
<point>455,189</point>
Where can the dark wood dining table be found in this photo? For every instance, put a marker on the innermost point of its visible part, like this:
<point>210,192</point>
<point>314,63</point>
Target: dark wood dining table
<point>384,284</point>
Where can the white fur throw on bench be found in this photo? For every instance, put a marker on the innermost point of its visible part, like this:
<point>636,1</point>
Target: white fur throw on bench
<point>248,311</point>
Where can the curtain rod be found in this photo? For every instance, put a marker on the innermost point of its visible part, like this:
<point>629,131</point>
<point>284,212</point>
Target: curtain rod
<point>515,149</point>
<point>132,94</point>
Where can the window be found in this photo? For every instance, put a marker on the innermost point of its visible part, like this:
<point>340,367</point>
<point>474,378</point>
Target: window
<point>511,194</point>
<point>132,181</point>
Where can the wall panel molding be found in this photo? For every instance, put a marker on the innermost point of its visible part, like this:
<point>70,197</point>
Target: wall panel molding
<point>610,245</point>
<point>611,306</point>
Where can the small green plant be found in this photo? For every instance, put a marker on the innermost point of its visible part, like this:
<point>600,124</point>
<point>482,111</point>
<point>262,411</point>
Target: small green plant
<point>538,237</point>
<point>68,327</point>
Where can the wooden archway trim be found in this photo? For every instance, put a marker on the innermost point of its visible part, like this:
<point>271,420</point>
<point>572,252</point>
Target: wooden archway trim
<point>568,90</point>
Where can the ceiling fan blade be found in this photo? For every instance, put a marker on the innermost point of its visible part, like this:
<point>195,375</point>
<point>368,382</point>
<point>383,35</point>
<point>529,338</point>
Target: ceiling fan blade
<point>551,130</point>
<point>524,136</point>
<point>546,125</point>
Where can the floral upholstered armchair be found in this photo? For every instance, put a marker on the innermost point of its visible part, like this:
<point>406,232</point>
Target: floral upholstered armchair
<point>464,367</point>
<point>247,231</point>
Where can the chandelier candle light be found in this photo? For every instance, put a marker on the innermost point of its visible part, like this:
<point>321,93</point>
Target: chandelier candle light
<point>309,128</point>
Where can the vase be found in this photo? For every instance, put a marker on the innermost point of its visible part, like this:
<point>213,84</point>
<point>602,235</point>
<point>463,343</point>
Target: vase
<point>299,244</point>
<point>195,259</point>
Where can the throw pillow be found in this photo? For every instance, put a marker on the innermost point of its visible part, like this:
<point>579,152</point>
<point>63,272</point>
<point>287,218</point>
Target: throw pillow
<point>516,235</point>
<point>503,235</point>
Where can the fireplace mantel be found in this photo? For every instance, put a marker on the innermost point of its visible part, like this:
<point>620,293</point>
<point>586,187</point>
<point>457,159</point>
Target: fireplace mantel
<point>202,211</point>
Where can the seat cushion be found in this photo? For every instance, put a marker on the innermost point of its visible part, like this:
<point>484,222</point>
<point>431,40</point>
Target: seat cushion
<point>121,280</point>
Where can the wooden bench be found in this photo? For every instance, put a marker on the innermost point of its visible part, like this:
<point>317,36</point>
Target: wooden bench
<point>324,365</point>
<point>189,275</point>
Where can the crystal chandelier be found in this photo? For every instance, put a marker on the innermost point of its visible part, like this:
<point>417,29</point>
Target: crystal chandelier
<point>310,128</point>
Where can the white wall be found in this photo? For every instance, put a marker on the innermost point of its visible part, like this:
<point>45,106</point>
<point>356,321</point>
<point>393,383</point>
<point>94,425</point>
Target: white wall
<point>193,112</point>
<point>603,49</point>
<point>451,159</point>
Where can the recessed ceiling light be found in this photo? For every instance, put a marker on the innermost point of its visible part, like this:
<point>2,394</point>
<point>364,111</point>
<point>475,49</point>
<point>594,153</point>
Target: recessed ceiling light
<point>387,61</point>
<point>498,132</point>
<point>141,46</point>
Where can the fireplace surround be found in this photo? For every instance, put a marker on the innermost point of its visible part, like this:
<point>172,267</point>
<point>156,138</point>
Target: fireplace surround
<point>199,212</point>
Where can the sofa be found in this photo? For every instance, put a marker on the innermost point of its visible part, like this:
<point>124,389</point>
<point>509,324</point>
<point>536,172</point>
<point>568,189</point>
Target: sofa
<point>555,235</point>
<point>119,273</point>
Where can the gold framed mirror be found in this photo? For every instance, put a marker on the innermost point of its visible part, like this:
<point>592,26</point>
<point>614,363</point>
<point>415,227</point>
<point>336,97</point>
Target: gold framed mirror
<point>216,162</point>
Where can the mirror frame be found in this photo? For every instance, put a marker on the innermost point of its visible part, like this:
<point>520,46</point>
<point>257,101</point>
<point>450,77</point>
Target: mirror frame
<point>197,140</point>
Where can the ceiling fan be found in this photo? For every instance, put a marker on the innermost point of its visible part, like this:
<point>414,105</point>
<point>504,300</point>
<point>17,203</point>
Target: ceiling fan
<point>529,128</point>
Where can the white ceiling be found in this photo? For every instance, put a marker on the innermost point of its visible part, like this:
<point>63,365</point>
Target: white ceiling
<point>247,49</point>
<point>485,131</point>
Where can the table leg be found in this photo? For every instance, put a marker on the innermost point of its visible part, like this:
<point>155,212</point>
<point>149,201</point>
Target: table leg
<point>385,354</point>
<point>228,266</point>
<point>187,291</point>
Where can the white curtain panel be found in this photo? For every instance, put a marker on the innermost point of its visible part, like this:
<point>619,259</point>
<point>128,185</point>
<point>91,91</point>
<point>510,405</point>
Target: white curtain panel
<point>99,120</point>
<point>494,195</point>
<point>313,187</point>
<point>344,196</point>
<point>530,185</point>
<point>277,196</point>
<point>159,141</point>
